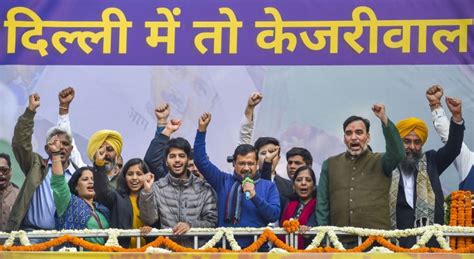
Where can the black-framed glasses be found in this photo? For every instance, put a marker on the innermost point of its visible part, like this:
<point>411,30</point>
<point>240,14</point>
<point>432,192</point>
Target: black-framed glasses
<point>249,164</point>
<point>4,170</point>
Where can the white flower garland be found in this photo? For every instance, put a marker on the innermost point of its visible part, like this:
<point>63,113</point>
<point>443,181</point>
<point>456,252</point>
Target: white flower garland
<point>11,239</point>
<point>380,249</point>
<point>278,251</point>
<point>423,240</point>
<point>441,240</point>
<point>317,240</point>
<point>232,242</point>
<point>154,250</point>
<point>23,238</point>
<point>334,240</point>
<point>213,241</point>
<point>113,237</point>
<point>426,234</point>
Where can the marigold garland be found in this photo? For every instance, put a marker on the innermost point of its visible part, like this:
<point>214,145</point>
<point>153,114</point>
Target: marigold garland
<point>291,226</point>
<point>453,217</point>
<point>468,214</point>
<point>267,235</point>
<point>362,247</point>
<point>461,218</point>
<point>460,215</point>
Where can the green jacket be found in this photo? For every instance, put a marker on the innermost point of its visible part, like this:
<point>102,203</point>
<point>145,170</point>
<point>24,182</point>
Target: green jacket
<point>32,164</point>
<point>353,191</point>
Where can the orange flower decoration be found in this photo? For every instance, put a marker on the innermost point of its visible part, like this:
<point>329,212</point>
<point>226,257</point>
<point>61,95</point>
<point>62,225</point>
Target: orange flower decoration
<point>267,235</point>
<point>291,226</point>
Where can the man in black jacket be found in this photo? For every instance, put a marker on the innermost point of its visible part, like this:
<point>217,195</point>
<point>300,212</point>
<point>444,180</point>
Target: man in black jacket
<point>416,196</point>
<point>264,145</point>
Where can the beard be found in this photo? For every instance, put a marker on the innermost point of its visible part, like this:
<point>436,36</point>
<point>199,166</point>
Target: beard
<point>109,167</point>
<point>357,152</point>
<point>410,163</point>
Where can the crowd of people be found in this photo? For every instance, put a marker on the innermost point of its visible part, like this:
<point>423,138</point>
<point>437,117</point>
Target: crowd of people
<point>176,186</point>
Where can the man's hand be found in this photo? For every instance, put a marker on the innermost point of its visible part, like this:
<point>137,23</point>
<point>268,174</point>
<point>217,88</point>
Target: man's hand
<point>253,101</point>
<point>99,156</point>
<point>204,121</point>
<point>379,111</point>
<point>249,187</point>
<point>171,127</point>
<point>434,94</point>
<point>162,113</point>
<point>271,154</point>
<point>181,228</point>
<point>66,96</point>
<point>33,102</point>
<point>303,229</point>
<point>54,145</point>
<point>145,230</point>
<point>455,107</point>
<point>149,180</point>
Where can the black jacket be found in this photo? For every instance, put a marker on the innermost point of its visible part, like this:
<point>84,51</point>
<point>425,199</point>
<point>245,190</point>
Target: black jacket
<point>437,162</point>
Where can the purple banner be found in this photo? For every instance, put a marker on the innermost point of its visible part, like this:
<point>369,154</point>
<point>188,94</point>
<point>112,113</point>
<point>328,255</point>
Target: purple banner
<point>236,32</point>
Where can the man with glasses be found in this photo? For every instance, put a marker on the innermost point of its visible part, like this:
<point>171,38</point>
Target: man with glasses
<point>245,200</point>
<point>416,196</point>
<point>8,191</point>
<point>353,186</point>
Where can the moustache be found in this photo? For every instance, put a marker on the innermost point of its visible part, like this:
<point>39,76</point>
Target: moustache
<point>108,159</point>
<point>413,154</point>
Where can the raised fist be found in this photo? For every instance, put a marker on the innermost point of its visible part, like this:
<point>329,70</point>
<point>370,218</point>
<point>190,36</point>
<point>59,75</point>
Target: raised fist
<point>254,99</point>
<point>54,145</point>
<point>149,180</point>
<point>272,152</point>
<point>379,111</point>
<point>162,112</point>
<point>434,94</point>
<point>33,102</point>
<point>171,126</point>
<point>455,107</point>
<point>204,121</point>
<point>66,96</point>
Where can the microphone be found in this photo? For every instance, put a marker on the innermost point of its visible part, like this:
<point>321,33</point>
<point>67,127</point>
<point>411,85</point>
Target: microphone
<point>247,179</point>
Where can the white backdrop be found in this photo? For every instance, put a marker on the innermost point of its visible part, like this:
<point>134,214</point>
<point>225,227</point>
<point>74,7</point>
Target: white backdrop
<point>302,106</point>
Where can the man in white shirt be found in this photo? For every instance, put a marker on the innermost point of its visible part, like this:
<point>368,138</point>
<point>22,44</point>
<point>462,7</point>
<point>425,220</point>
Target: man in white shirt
<point>464,163</point>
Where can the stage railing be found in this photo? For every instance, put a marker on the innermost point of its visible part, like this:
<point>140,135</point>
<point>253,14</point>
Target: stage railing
<point>226,236</point>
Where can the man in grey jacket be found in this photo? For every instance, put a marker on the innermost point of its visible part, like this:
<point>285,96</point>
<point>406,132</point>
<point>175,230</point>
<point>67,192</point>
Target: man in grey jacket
<point>180,200</point>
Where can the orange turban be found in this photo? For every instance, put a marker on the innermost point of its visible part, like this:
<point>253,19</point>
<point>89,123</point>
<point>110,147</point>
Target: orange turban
<point>413,124</point>
<point>114,138</point>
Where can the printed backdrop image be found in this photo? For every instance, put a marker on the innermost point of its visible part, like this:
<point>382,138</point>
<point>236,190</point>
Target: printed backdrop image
<point>316,62</point>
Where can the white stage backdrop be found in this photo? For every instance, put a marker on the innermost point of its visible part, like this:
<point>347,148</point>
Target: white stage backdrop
<point>302,106</point>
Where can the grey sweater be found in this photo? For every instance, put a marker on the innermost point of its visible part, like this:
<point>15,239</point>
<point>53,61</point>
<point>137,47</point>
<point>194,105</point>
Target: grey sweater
<point>174,200</point>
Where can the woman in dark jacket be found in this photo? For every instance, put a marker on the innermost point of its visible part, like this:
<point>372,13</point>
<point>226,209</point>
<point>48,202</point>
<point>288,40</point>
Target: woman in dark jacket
<point>302,203</point>
<point>123,203</point>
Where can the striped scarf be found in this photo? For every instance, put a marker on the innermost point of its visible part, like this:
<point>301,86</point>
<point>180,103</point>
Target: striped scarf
<point>233,202</point>
<point>425,198</point>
